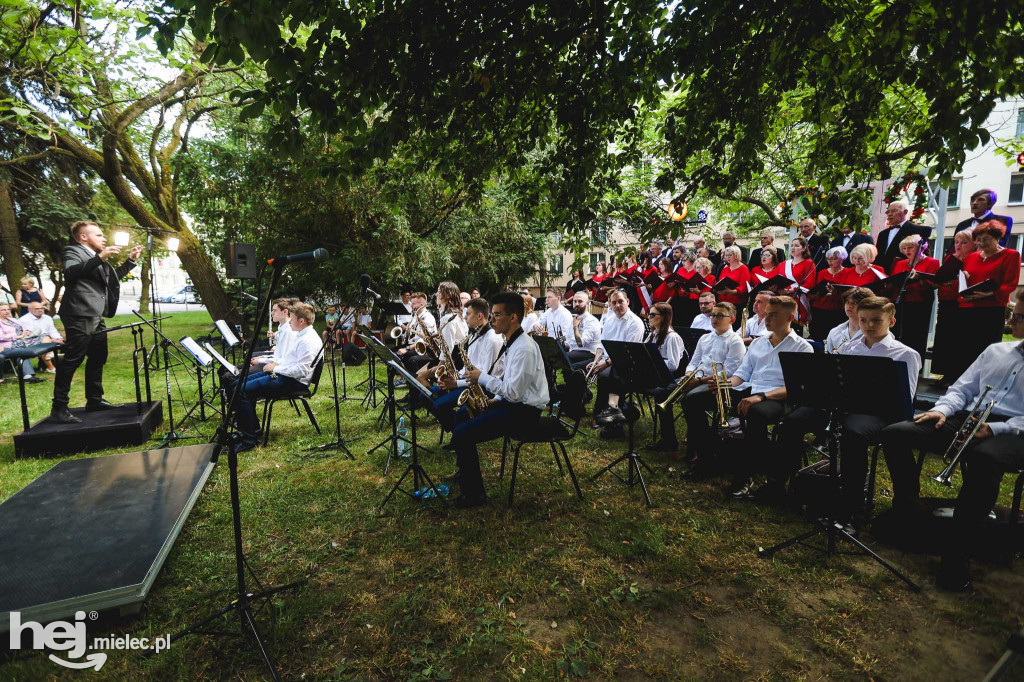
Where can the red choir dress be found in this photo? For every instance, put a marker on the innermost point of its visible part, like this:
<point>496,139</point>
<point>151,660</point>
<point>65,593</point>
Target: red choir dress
<point>915,313</point>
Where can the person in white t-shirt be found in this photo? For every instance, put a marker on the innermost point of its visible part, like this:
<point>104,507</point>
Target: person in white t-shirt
<point>703,319</point>
<point>756,325</point>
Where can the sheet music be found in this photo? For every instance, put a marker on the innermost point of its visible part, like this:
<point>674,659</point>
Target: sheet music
<point>222,360</point>
<point>196,351</point>
<point>225,330</point>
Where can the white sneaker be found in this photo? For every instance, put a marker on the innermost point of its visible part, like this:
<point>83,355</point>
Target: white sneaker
<point>52,371</point>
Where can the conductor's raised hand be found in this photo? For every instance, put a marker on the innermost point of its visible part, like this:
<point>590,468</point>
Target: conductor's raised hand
<point>109,251</point>
<point>136,252</point>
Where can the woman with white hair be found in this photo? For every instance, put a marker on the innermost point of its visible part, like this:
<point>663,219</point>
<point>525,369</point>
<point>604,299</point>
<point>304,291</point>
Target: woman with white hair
<point>863,272</point>
<point>736,271</point>
<point>827,311</point>
<point>915,310</point>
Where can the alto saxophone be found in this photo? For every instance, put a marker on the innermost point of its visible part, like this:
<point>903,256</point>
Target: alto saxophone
<point>473,398</point>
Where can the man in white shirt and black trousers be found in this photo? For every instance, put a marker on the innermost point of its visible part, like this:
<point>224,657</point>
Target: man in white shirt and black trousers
<point>483,348</point>
<point>621,324</point>
<point>293,371</point>
<point>586,332</point>
<point>521,393</point>
<point>758,393</point>
<point>556,320</point>
<point>997,447</point>
<point>876,316</point>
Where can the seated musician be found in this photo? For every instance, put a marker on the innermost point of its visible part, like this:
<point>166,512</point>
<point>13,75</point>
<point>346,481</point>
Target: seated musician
<point>280,341</point>
<point>621,325</point>
<point>756,325</point>
<point>530,318</point>
<point>758,391</point>
<point>848,331</point>
<point>287,373</point>
<point>521,393</point>
<point>556,321</point>
<point>703,318</point>
<point>483,347</point>
<point>453,330</point>
<point>423,324</point>
<point>585,338</point>
<point>997,447</point>
<point>721,345</point>
<point>875,317</point>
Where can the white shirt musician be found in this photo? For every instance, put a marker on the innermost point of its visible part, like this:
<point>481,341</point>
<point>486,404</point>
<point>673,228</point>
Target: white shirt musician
<point>521,393</point>
<point>842,335</point>
<point>406,300</point>
<point>557,320</point>
<point>722,345</point>
<point>756,325</point>
<point>586,334</point>
<point>702,320</point>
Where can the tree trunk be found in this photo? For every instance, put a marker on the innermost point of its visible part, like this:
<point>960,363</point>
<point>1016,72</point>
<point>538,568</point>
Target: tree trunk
<point>146,277</point>
<point>10,244</point>
<point>57,277</point>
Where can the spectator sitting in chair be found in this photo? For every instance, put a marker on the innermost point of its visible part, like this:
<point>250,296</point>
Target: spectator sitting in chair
<point>41,330</point>
<point>287,374</point>
<point>13,336</point>
<point>330,325</point>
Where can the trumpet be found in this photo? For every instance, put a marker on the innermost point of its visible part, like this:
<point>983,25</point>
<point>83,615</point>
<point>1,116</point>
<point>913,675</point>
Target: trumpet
<point>681,388</point>
<point>964,436</point>
<point>591,375</point>
<point>723,398</point>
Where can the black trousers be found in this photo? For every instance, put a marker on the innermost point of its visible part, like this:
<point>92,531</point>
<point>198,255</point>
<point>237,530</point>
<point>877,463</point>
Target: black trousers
<point>666,417</point>
<point>946,349</point>
<point>84,341</point>
<point>607,382</point>
<point>756,447</point>
<point>913,327</point>
<point>859,432</point>
<point>580,358</point>
<point>981,327</point>
<point>902,438</point>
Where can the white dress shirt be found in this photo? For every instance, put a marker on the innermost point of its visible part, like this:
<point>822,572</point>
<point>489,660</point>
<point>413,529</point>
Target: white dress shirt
<point>303,351</point>
<point>672,350</point>
<point>282,340</point>
<point>755,328</point>
<point>529,322</point>
<point>590,333</point>
<point>39,326</point>
<point>455,330</point>
<point>761,370</point>
<point>558,319</point>
<point>889,347</point>
<point>629,327</point>
<point>425,320</point>
<point>1000,366</point>
<point>839,335</point>
<point>727,348</point>
<point>701,321</point>
<point>523,380</point>
<point>978,221</point>
<point>482,352</point>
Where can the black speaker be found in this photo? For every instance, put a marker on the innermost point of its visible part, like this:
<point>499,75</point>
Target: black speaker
<point>240,261</point>
<point>353,355</point>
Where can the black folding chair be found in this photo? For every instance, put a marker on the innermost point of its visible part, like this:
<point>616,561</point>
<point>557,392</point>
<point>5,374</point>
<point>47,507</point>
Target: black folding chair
<point>554,430</point>
<point>303,395</point>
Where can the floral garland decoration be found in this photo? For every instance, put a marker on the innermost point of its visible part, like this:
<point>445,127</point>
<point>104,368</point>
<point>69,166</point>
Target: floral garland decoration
<point>813,194</point>
<point>902,184</point>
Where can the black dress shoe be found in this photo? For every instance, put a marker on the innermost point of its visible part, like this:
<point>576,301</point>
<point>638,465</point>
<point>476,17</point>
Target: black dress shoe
<point>610,415</point>
<point>954,575</point>
<point>467,502</point>
<point>244,446</point>
<point>32,380</point>
<point>62,415</point>
<point>742,489</point>
<point>97,405</point>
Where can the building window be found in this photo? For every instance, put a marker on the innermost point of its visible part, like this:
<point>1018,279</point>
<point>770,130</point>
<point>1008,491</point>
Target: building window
<point>599,235</point>
<point>953,192</point>
<point>555,265</point>
<point>1016,189</point>
<point>595,258</point>
<point>1020,123</point>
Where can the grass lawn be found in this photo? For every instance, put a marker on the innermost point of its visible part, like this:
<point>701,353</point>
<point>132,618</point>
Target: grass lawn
<point>603,589</point>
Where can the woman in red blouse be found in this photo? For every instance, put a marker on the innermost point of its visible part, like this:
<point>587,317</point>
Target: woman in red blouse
<point>735,270</point>
<point>801,270</point>
<point>766,270</point>
<point>862,272</point>
<point>915,313</point>
<point>947,359</point>
<point>684,303</point>
<point>983,313</point>
<point>827,311</point>
<point>665,290</point>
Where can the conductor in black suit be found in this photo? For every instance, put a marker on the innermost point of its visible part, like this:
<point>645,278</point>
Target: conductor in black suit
<point>849,239</point>
<point>900,228</point>
<point>93,287</point>
<point>767,242</point>
<point>982,202</point>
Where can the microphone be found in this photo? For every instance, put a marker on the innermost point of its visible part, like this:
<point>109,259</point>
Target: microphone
<point>318,255</point>
<point>249,296</point>
<point>364,286</point>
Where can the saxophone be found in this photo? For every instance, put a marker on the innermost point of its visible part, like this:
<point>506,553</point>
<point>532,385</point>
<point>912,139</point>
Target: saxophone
<point>474,398</point>
<point>446,364</point>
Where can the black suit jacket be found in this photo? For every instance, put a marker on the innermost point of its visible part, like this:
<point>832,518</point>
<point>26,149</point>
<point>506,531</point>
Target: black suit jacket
<point>92,285</point>
<point>888,255</point>
<point>856,239</point>
<point>755,257</point>
<point>1004,219</point>
<point>819,247</point>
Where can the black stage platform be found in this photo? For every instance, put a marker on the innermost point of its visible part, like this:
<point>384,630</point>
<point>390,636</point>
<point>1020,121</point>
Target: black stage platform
<point>92,534</point>
<point>116,427</point>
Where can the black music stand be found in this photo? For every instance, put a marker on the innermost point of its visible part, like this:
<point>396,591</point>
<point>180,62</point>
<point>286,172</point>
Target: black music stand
<point>139,342</point>
<point>418,472</point>
<point>371,382</point>
<point>638,368</point>
<point>831,383</point>
<point>387,356</point>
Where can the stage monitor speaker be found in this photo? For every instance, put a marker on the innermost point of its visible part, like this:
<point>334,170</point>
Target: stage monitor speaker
<point>240,260</point>
<point>352,355</point>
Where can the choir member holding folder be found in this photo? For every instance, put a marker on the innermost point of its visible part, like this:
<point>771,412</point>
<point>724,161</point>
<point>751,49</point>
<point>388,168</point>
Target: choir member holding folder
<point>733,279</point>
<point>989,276</point>
<point>862,273</point>
<point>915,310</point>
<point>826,310</point>
<point>947,359</point>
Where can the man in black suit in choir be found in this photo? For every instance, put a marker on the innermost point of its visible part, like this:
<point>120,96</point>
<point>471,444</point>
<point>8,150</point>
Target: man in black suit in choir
<point>93,287</point>
<point>767,242</point>
<point>900,228</point>
<point>982,202</point>
<point>818,242</point>
<point>849,239</point>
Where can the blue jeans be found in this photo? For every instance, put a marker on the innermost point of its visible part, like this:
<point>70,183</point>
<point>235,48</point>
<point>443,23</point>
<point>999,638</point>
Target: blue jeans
<point>444,406</point>
<point>260,386</point>
<point>503,418</point>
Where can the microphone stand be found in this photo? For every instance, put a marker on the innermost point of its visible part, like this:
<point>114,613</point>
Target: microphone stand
<point>244,600</point>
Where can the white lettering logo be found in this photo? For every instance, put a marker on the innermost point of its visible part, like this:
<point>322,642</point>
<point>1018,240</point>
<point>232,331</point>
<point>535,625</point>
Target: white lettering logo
<point>59,635</point>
